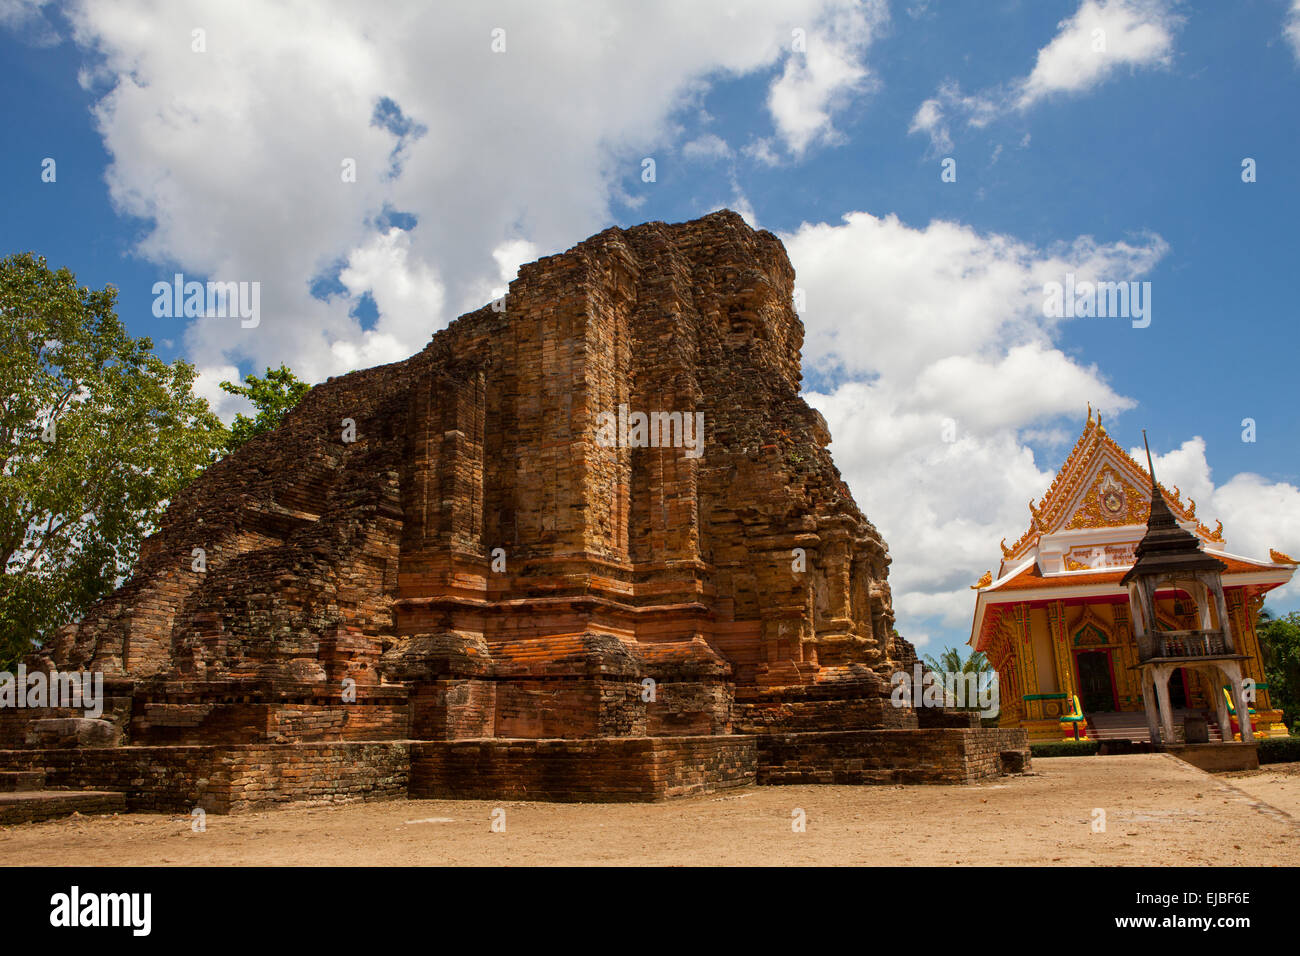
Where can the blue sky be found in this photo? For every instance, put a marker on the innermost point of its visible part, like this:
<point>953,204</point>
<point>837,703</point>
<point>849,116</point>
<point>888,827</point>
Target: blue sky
<point>923,306</point>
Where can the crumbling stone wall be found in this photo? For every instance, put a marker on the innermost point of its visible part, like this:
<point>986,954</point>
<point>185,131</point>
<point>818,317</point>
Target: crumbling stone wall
<point>477,545</point>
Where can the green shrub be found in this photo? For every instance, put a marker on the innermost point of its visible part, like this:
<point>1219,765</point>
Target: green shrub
<point>1279,749</point>
<point>1067,748</point>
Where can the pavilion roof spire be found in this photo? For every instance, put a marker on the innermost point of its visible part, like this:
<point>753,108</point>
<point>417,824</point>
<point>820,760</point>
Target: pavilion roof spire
<point>1151,469</point>
<point>1167,546</point>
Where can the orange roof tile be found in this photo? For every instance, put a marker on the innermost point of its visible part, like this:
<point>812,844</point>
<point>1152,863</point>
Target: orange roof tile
<point>1031,577</point>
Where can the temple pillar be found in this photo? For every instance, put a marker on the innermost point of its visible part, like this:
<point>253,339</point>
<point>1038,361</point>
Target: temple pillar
<point>1233,670</point>
<point>1215,678</point>
<point>1162,673</point>
<point>1150,705</point>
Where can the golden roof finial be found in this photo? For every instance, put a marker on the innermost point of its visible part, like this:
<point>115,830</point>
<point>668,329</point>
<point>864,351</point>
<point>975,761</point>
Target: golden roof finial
<point>1006,552</point>
<point>985,580</point>
<point>1089,421</point>
<point>1281,557</point>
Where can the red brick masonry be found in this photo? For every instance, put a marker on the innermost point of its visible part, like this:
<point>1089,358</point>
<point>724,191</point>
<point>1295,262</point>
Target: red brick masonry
<point>223,779</point>
<point>469,592</point>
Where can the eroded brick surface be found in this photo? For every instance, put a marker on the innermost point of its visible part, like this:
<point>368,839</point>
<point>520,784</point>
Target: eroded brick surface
<point>479,571</point>
<point>478,548</point>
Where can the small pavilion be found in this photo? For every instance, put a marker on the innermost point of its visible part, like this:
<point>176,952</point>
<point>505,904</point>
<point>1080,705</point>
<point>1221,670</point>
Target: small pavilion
<point>1170,558</point>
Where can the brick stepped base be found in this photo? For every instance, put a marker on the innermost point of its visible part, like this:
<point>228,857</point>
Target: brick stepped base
<point>854,757</point>
<point>227,779</point>
<point>601,770</point>
<point>32,805</point>
<point>15,780</point>
<point>234,779</point>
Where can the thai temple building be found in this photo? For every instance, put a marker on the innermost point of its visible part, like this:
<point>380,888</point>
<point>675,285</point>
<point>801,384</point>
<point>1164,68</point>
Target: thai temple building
<point>1058,620</point>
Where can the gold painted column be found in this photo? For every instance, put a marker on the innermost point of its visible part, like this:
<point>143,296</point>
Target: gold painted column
<point>1241,615</point>
<point>1126,659</point>
<point>1064,659</point>
<point>1038,725</point>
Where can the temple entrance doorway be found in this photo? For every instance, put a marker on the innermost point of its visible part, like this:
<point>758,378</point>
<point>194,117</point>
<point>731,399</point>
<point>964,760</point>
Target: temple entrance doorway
<point>1096,687</point>
<point>1178,689</point>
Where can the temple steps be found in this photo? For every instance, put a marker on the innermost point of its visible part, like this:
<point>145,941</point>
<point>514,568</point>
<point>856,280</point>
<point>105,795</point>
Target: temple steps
<point>29,806</point>
<point>24,799</point>
<point>12,781</point>
<point>1133,726</point>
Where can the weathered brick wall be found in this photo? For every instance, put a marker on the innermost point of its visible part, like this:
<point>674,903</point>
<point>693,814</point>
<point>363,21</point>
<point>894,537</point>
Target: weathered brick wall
<point>324,554</point>
<point>453,709</point>
<point>596,771</point>
<point>942,717</point>
<point>546,708</point>
<point>377,559</point>
<point>51,807</point>
<point>308,722</point>
<point>16,723</point>
<point>985,746</point>
<point>879,757</point>
<point>843,705</point>
<point>196,713</point>
<point>153,778</point>
<point>689,708</point>
<point>261,777</point>
<point>691,765</point>
<point>226,779</point>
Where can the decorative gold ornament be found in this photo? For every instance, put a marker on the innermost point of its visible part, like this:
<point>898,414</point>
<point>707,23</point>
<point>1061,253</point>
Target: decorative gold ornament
<point>1280,557</point>
<point>985,580</point>
<point>1108,503</point>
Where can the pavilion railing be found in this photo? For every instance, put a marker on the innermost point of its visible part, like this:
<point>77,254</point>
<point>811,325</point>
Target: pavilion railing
<point>1183,644</point>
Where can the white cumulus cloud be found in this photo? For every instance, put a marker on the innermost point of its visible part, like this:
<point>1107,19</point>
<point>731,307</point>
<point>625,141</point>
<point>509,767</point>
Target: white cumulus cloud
<point>944,370</point>
<point>1291,28</point>
<point>820,77</point>
<point>235,146</point>
<point>1101,38</point>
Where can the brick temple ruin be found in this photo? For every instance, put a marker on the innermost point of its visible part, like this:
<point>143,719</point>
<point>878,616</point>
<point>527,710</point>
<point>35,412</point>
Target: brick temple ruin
<point>436,579</point>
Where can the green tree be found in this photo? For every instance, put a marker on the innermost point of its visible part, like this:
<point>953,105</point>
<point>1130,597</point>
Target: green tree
<point>1279,642</point>
<point>951,662</point>
<point>96,435</point>
<point>273,397</point>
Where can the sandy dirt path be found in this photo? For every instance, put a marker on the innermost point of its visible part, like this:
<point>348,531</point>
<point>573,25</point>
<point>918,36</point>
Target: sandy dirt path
<point>1275,784</point>
<point>1158,811</point>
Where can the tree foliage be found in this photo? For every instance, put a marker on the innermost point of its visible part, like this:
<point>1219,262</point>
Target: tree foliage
<point>273,396</point>
<point>951,662</point>
<point>1279,641</point>
<point>97,433</point>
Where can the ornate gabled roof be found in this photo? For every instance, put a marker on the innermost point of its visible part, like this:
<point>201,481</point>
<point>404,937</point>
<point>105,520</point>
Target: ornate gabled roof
<point>1099,485</point>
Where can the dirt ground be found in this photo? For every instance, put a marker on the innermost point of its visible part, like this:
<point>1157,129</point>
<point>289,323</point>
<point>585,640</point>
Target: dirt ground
<point>1158,811</point>
<point>1277,785</point>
